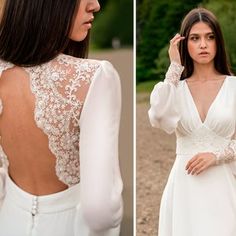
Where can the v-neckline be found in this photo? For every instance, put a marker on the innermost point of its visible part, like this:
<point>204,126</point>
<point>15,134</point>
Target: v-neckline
<point>212,104</point>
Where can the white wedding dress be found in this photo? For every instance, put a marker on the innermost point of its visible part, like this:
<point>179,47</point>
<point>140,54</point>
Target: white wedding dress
<point>83,136</point>
<point>204,204</point>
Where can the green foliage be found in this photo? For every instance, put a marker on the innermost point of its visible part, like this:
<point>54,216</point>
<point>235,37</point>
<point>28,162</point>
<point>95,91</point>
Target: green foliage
<point>146,87</point>
<point>162,63</point>
<point>158,22</point>
<point>225,12</point>
<point>114,21</point>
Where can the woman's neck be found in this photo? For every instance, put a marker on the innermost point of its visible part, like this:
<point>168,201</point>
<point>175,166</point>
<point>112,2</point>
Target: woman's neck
<point>203,72</point>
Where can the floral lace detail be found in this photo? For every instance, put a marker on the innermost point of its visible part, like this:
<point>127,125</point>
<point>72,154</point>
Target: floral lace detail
<point>57,86</point>
<point>173,73</point>
<point>226,155</point>
<point>201,140</point>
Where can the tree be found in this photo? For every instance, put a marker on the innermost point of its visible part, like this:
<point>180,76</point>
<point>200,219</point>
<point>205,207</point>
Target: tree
<point>225,13</point>
<point>158,21</point>
<point>114,21</point>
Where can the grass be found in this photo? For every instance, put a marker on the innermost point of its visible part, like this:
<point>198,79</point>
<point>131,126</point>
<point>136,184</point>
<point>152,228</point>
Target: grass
<point>146,87</point>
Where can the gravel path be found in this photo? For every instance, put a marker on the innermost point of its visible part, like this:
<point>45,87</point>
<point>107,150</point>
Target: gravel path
<point>155,157</point>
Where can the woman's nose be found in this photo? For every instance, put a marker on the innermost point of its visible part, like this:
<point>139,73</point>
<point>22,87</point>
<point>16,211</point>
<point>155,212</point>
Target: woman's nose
<point>203,43</point>
<point>93,6</point>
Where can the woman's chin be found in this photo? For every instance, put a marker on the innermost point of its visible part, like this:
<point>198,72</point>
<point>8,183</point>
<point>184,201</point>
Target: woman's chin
<point>79,37</point>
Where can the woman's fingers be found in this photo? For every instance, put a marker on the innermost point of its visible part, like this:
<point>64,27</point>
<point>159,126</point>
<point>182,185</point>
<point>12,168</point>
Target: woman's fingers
<point>200,162</point>
<point>190,162</point>
<point>176,39</point>
<point>174,50</point>
<point>198,167</point>
<point>194,164</point>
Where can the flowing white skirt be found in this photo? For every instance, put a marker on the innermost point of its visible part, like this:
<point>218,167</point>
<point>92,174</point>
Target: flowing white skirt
<point>23,214</point>
<point>202,205</point>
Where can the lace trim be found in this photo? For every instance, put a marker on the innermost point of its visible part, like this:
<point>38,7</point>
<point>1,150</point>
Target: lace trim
<point>57,86</point>
<point>57,109</point>
<point>226,155</point>
<point>173,73</point>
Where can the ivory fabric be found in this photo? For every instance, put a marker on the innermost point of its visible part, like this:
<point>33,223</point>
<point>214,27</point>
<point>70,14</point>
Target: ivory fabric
<point>83,136</point>
<point>205,204</point>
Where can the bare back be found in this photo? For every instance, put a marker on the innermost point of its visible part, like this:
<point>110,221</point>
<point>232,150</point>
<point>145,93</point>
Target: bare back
<point>27,147</point>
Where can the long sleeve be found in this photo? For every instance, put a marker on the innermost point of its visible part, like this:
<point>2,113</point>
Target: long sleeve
<point>101,183</point>
<point>227,154</point>
<point>164,112</point>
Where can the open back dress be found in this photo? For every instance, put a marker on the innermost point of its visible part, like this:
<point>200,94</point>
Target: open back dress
<point>75,107</point>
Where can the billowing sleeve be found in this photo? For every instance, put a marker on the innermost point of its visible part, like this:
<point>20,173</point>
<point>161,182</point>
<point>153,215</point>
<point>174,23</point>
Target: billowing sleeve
<point>101,183</point>
<point>164,111</point>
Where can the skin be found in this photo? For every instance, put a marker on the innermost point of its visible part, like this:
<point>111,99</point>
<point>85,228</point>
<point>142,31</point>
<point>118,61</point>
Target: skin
<point>83,19</point>
<point>205,80</point>
<point>32,164</point>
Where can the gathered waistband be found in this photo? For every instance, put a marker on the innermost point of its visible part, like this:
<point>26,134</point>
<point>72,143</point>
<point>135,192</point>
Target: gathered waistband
<point>55,202</point>
<point>201,140</point>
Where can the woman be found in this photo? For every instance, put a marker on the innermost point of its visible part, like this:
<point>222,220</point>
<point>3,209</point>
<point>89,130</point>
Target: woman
<point>200,196</point>
<point>59,124</point>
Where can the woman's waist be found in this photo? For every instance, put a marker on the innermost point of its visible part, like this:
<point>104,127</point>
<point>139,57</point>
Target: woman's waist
<point>49,203</point>
<point>191,145</point>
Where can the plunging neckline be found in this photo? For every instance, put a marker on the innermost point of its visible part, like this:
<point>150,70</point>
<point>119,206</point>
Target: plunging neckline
<point>211,105</point>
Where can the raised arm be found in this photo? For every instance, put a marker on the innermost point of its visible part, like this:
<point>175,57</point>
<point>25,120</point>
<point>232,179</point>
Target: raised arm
<point>164,110</point>
<point>101,183</point>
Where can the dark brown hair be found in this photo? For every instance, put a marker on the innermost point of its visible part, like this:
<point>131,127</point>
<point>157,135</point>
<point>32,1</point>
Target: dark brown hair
<point>35,31</point>
<point>202,15</point>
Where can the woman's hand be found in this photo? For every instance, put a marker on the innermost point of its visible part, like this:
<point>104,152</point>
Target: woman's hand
<point>200,162</point>
<point>174,48</point>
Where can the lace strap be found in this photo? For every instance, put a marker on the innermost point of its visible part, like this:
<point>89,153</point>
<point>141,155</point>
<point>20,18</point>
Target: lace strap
<point>173,73</point>
<point>4,66</point>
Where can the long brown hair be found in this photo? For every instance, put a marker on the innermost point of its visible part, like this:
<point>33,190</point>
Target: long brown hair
<point>35,31</point>
<point>202,15</point>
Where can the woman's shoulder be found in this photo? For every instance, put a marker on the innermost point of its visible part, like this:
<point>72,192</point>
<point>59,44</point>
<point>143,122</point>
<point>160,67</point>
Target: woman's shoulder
<point>91,70</point>
<point>231,81</point>
<point>83,62</point>
<point>93,67</point>
<point>231,78</point>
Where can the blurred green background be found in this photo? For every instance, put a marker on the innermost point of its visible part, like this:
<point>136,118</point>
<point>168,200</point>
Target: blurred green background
<point>113,25</point>
<point>159,20</point>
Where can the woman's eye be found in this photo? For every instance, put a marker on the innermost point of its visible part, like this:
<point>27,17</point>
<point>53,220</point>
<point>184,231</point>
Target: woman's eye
<point>211,37</point>
<point>194,38</point>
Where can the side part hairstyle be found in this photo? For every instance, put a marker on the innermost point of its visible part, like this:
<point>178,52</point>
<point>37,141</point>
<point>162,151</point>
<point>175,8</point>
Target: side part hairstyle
<point>33,32</point>
<point>203,15</point>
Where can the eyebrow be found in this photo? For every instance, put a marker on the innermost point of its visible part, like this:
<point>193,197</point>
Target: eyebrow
<point>193,34</point>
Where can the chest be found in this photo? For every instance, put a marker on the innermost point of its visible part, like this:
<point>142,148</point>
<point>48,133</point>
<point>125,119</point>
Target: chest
<point>204,95</point>
<point>210,106</point>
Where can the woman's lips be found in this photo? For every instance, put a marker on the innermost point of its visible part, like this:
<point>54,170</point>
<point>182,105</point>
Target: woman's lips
<point>88,23</point>
<point>203,53</point>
